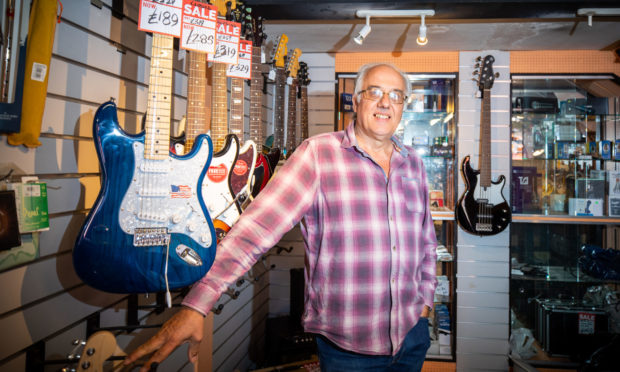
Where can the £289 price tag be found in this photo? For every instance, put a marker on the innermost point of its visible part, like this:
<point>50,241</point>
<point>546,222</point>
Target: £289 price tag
<point>160,16</point>
<point>243,69</point>
<point>198,30</point>
<point>227,42</point>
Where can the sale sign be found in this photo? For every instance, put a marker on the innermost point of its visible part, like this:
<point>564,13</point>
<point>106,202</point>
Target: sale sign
<point>227,38</point>
<point>198,29</point>
<point>160,16</point>
<point>243,69</point>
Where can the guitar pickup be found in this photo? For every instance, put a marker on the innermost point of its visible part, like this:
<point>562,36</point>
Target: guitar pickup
<point>150,236</point>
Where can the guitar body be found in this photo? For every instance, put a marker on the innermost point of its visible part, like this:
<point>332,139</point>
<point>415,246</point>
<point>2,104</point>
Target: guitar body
<point>482,211</point>
<point>142,203</point>
<point>218,183</point>
<point>262,174</point>
<point>273,157</point>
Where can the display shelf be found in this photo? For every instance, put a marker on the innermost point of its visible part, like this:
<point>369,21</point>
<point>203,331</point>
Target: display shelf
<point>563,219</point>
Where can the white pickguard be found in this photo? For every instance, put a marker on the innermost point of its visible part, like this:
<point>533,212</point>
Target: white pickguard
<point>217,195</point>
<point>162,193</point>
<point>492,194</point>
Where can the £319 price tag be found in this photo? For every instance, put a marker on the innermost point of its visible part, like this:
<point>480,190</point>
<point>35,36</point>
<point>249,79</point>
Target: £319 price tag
<point>243,69</point>
<point>198,30</point>
<point>227,42</point>
<point>161,16</point>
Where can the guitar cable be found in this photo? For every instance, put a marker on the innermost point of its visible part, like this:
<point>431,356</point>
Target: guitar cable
<point>168,295</point>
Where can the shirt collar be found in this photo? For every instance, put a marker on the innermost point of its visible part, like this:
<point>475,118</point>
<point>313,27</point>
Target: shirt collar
<point>349,140</point>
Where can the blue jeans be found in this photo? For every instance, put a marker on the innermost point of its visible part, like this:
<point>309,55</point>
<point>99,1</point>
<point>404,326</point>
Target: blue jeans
<point>409,358</point>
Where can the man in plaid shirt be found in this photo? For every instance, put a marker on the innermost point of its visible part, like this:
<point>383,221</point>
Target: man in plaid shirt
<point>369,235</point>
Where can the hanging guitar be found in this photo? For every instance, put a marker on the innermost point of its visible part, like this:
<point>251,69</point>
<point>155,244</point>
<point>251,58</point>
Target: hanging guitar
<point>482,209</point>
<point>292,68</point>
<point>149,229</point>
<point>304,81</point>
<point>276,140</point>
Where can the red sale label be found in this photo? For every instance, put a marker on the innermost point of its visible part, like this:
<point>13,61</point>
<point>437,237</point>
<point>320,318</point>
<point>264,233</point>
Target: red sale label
<point>241,167</point>
<point>217,173</point>
<point>160,16</point>
<point>199,23</point>
<point>586,323</point>
<point>243,69</point>
<point>227,42</point>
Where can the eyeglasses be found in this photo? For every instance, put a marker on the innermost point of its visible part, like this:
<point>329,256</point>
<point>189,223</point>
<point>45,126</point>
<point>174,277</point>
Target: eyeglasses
<point>375,94</point>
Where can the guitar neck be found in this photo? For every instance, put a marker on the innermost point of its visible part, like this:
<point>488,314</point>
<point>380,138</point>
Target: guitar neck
<point>278,110</point>
<point>485,139</point>
<point>304,112</point>
<point>291,119</point>
<point>157,124</point>
<point>219,106</point>
<point>196,119</point>
<point>256,100</point>
<point>235,122</point>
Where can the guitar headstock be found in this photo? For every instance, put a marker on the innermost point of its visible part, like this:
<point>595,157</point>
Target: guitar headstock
<point>486,77</point>
<point>280,51</point>
<point>302,76</point>
<point>99,347</point>
<point>292,66</point>
<point>258,35</point>
<point>225,7</point>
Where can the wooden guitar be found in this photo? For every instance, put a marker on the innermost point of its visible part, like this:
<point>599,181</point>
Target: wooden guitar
<point>482,209</point>
<point>98,348</point>
<point>292,68</point>
<point>149,229</point>
<point>277,139</point>
<point>304,81</point>
<point>264,167</point>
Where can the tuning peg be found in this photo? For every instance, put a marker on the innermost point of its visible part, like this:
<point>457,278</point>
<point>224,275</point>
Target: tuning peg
<point>479,58</point>
<point>497,74</point>
<point>475,72</point>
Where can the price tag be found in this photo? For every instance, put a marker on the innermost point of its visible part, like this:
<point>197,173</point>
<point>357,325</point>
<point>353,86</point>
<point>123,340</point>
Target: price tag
<point>243,69</point>
<point>198,29</point>
<point>227,42</point>
<point>586,323</point>
<point>160,16</point>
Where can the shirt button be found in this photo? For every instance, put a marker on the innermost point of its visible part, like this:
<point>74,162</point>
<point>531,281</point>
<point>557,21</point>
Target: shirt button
<point>394,248</point>
<point>393,280</point>
<point>391,218</point>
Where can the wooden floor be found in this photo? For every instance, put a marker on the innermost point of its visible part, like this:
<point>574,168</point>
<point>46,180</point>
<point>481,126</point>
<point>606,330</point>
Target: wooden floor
<point>431,366</point>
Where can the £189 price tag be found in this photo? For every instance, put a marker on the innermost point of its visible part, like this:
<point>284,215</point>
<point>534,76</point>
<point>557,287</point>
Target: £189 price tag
<point>243,69</point>
<point>160,16</point>
<point>198,30</point>
<point>227,42</point>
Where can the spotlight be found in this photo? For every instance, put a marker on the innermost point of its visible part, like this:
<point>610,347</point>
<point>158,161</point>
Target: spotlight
<point>422,39</point>
<point>363,32</point>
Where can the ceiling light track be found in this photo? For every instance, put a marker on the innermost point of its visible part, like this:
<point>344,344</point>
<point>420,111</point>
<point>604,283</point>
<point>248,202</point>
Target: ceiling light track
<point>403,13</point>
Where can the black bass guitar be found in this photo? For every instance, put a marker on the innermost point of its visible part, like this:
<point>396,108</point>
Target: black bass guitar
<point>482,209</point>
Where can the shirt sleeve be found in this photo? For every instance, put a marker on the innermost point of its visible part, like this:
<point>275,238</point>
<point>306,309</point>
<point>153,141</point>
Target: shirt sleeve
<point>429,243</point>
<point>276,210</point>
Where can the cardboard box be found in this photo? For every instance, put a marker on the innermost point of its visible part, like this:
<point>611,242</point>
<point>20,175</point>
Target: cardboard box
<point>590,188</point>
<point>604,150</point>
<point>523,190</point>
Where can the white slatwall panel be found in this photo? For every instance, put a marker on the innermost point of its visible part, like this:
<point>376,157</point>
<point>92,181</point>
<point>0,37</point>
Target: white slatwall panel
<point>483,263</point>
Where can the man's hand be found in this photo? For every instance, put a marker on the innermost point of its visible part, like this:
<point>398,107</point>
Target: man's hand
<point>425,312</point>
<point>185,326</point>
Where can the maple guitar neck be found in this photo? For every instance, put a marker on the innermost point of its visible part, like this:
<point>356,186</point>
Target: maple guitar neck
<point>157,125</point>
<point>196,119</point>
<point>256,100</point>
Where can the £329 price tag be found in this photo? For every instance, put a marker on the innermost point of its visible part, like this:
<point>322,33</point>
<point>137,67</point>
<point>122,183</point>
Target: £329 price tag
<point>161,16</point>
<point>198,30</point>
<point>227,42</point>
<point>243,69</point>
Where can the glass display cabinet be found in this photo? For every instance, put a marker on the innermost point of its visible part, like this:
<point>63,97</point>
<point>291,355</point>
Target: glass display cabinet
<point>565,235</point>
<point>429,126</point>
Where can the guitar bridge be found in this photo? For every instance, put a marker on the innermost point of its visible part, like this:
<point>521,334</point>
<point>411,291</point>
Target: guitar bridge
<point>150,236</point>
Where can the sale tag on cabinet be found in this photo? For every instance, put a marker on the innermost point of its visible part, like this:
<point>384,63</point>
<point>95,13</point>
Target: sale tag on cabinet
<point>160,16</point>
<point>198,29</point>
<point>242,69</point>
<point>227,42</point>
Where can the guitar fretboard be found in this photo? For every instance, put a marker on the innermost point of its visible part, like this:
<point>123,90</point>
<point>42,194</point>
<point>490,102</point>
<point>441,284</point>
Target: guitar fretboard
<point>196,119</point>
<point>304,113</point>
<point>235,122</point>
<point>157,124</point>
<point>278,109</point>
<point>256,100</point>
<point>219,103</point>
<point>485,139</point>
<point>291,120</point>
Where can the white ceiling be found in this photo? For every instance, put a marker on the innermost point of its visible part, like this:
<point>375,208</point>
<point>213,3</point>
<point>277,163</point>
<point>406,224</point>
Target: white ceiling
<point>389,36</point>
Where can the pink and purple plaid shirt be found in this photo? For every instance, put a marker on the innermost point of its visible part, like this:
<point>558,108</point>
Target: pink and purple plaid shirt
<point>370,242</point>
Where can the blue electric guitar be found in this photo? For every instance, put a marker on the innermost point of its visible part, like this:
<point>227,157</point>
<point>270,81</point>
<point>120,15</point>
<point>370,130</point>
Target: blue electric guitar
<point>149,229</point>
